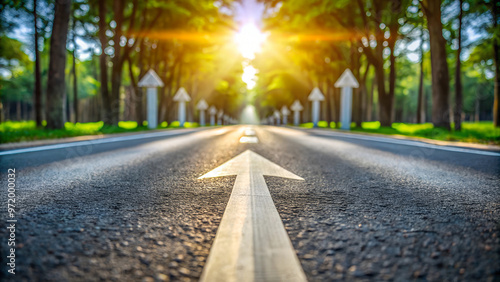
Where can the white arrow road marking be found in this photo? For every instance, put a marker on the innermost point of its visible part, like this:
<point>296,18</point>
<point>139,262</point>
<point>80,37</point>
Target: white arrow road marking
<point>249,136</point>
<point>249,139</point>
<point>249,132</point>
<point>251,243</point>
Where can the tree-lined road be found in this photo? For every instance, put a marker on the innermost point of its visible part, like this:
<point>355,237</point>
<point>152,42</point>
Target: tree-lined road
<point>368,207</point>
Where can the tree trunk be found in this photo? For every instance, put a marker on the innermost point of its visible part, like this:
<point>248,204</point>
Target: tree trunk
<point>67,107</point>
<point>75,78</point>
<point>363,93</point>
<point>137,92</point>
<point>56,84</point>
<point>25,115</point>
<point>496,55</point>
<point>8,110</point>
<point>458,79</point>
<point>369,105</point>
<point>18,110</point>
<point>421,95</point>
<point>328,98</point>
<point>355,67</point>
<point>376,58</point>
<point>97,97</point>
<point>477,107</point>
<point>116,72</point>
<point>38,77</point>
<point>383,103</point>
<point>389,100</point>
<point>165,99</point>
<point>440,72</point>
<point>179,85</point>
<point>103,64</point>
<point>396,10</point>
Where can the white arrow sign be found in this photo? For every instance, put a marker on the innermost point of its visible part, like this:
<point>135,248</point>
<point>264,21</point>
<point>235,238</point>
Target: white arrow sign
<point>182,97</point>
<point>316,96</point>
<point>277,116</point>
<point>212,111</point>
<point>296,108</point>
<point>152,81</point>
<point>347,81</point>
<point>285,112</point>
<point>251,243</point>
<point>202,106</point>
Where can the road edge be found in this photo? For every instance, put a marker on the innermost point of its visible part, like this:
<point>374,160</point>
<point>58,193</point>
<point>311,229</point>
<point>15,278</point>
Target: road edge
<point>418,139</point>
<point>44,142</point>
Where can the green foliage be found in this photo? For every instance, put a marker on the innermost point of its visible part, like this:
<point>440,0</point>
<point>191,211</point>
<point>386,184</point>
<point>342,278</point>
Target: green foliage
<point>12,54</point>
<point>177,124</point>
<point>19,87</point>
<point>189,43</point>
<point>17,125</point>
<point>321,124</point>
<point>481,132</point>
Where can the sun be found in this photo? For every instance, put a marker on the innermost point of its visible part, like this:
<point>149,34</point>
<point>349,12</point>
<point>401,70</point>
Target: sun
<point>249,40</point>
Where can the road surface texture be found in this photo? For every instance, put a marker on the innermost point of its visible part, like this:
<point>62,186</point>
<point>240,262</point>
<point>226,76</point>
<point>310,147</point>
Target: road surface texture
<point>368,209</point>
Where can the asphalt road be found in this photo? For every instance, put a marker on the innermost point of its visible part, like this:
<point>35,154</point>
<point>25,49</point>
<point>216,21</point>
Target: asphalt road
<point>369,209</point>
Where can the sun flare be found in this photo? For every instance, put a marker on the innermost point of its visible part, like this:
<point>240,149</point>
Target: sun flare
<point>249,76</point>
<point>249,40</point>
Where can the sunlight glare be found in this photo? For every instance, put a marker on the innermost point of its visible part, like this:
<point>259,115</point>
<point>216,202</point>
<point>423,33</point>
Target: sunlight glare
<point>249,76</point>
<point>249,39</point>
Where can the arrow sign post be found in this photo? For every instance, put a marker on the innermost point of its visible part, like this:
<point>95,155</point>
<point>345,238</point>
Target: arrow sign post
<point>202,106</point>
<point>251,243</point>
<point>285,112</point>
<point>182,97</point>
<point>212,111</point>
<point>347,81</point>
<point>316,96</point>
<point>151,81</point>
<point>277,117</point>
<point>296,108</point>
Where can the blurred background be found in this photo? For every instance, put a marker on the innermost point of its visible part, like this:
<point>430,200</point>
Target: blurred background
<point>425,68</point>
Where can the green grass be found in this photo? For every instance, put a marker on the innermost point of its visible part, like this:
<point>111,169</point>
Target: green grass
<point>17,131</point>
<point>176,124</point>
<point>321,124</point>
<point>480,132</point>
